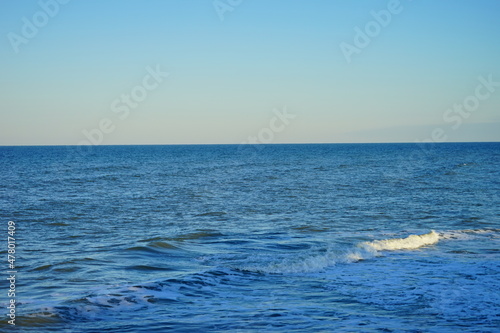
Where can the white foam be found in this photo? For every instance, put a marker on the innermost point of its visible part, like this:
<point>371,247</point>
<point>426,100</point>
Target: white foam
<point>411,242</point>
<point>466,233</point>
<point>330,258</point>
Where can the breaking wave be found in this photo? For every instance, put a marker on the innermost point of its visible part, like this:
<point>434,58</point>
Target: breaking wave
<point>468,233</point>
<point>222,281</point>
<point>309,263</point>
<point>411,242</point>
<point>332,257</point>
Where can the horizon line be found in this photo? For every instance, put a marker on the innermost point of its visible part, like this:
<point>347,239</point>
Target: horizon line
<point>243,144</point>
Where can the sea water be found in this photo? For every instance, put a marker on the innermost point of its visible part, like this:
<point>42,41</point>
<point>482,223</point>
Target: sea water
<point>269,238</point>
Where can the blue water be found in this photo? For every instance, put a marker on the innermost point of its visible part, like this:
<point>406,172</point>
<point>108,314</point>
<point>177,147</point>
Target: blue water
<point>274,238</point>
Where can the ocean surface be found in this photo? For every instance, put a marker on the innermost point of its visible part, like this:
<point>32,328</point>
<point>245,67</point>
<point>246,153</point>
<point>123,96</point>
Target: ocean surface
<point>273,238</point>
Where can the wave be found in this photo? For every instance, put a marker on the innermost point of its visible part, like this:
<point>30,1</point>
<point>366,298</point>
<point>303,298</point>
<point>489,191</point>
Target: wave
<point>411,242</point>
<point>467,233</point>
<point>110,302</point>
<point>195,236</point>
<point>162,245</point>
<point>212,214</point>
<point>362,251</point>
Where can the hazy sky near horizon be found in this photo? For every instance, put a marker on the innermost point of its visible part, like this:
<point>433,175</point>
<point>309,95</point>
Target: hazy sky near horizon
<point>344,71</point>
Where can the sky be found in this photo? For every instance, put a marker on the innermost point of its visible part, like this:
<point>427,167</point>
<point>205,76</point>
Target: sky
<point>248,71</point>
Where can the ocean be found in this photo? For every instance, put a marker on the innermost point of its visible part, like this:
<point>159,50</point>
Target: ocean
<point>251,238</point>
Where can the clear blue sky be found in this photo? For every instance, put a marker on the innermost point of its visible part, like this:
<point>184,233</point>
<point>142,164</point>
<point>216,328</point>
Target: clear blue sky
<point>229,66</point>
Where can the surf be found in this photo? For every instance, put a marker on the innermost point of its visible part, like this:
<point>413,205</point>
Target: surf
<point>411,242</point>
<point>334,256</point>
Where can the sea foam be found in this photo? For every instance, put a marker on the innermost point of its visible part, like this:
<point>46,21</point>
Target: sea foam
<point>332,257</point>
<point>411,242</point>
